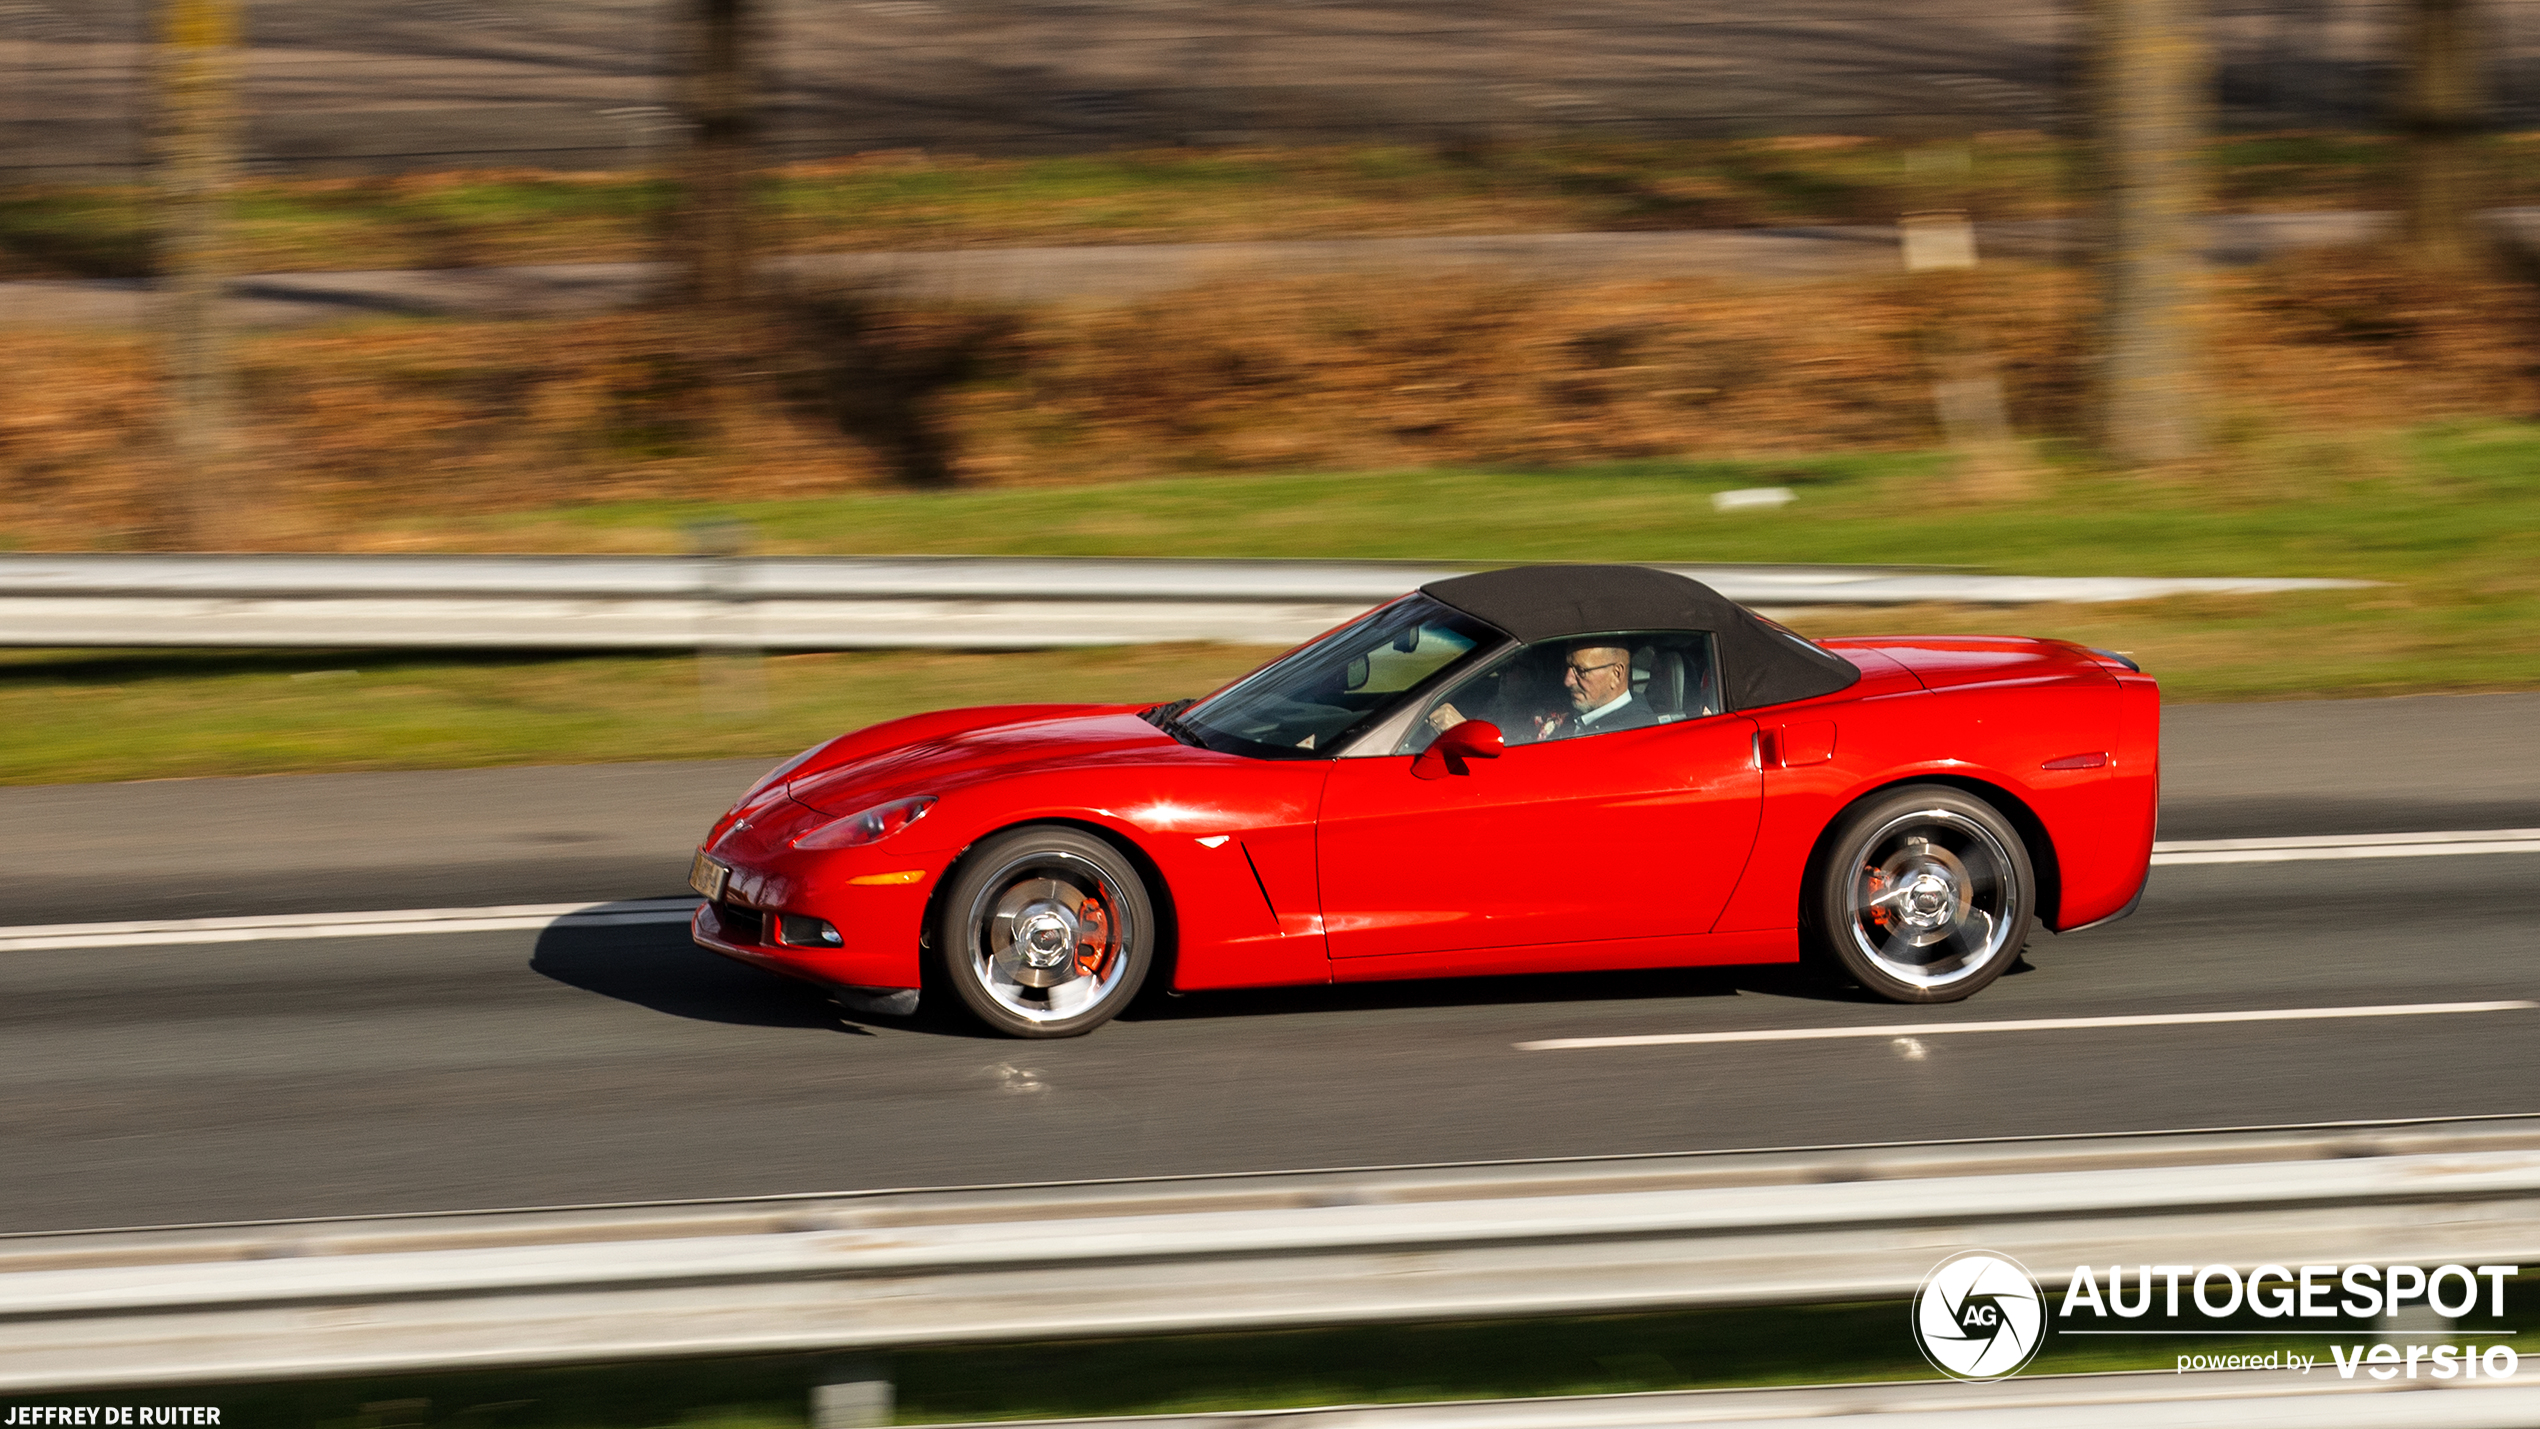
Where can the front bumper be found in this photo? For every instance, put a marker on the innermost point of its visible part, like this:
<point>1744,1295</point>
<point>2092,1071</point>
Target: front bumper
<point>742,934</point>
<point>2126,912</point>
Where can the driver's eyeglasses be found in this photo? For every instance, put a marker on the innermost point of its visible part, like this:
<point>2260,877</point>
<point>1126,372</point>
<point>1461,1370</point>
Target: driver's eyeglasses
<point>1583,671</point>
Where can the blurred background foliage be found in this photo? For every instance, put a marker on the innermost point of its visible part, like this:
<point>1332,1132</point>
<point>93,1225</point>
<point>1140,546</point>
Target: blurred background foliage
<point>2356,402</point>
<point>351,425</point>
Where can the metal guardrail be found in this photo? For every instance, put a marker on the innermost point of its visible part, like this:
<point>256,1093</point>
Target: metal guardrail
<point>305,1299</point>
<point>2145,1400</point>
<point>836,603</point>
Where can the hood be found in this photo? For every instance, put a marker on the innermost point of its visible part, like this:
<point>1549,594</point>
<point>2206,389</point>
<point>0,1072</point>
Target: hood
<point>898,733</point>
<point>1941,661</point>
<point>989,743</point>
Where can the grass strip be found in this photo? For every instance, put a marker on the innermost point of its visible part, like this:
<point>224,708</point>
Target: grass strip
<point>915,199</point>
<point>84,716</point>
<point>1501,1359</point>
<point>2388,506</point>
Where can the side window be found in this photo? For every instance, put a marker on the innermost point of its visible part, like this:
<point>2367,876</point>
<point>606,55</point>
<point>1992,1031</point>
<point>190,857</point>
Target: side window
<point>1581,685</point>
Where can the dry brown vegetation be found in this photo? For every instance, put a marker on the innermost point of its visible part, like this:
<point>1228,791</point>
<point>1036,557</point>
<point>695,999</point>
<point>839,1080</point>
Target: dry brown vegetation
<point>830,393</point>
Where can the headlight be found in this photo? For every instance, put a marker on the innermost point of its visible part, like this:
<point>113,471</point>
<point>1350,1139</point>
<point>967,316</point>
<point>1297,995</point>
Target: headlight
<point>867,826</point>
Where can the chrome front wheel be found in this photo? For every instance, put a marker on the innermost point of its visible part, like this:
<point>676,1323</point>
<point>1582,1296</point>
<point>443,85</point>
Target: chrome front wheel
<point>1046,932</point>
<point>1926,894</point>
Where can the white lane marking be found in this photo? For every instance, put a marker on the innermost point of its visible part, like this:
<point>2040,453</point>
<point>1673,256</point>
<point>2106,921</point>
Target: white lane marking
<point>2032,1024</point>
<point>2344,840</point>
<point>2305,847</point>
<point>383,923</point>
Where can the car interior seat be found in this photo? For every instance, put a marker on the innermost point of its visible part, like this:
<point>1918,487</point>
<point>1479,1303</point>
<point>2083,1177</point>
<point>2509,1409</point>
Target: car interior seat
<point>1658,678</point>
<point>1703,698</point>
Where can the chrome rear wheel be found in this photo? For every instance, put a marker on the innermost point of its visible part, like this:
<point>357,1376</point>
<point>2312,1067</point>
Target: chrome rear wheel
<point>1926,894</point>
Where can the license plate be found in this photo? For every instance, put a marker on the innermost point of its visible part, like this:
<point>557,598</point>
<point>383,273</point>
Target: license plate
<point>708,877</point>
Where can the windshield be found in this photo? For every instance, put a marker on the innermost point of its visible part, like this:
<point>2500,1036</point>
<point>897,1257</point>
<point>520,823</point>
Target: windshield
<point>1308,703</point>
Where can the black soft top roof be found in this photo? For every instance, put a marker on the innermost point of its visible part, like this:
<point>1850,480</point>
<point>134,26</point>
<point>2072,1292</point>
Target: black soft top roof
<point>1759,664</point>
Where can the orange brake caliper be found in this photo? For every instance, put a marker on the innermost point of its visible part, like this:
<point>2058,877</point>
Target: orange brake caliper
<point>1882,915</point>
<point>1093,924</point>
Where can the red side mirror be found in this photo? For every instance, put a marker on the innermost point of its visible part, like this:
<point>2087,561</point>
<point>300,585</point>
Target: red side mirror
<point>1473,739</point>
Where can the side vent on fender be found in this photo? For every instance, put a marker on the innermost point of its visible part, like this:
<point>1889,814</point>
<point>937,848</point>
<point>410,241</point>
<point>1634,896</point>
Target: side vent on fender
<point>1268,902</point>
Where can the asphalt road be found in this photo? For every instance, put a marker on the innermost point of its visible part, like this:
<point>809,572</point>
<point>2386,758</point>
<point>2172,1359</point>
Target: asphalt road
<point>162,1084</point>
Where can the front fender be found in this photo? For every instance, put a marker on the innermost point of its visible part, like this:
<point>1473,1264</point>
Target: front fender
<point>1231,840</point>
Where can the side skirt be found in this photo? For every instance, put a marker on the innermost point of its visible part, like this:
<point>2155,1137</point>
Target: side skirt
<point>1777,945</point>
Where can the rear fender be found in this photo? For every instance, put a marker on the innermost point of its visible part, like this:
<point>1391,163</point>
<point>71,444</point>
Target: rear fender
<point>1996,742</point>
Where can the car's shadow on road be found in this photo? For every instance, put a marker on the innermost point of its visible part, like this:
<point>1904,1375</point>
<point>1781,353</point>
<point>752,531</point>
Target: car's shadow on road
<point>653,965</point>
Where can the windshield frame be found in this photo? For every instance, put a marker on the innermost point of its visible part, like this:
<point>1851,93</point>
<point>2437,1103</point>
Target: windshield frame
<point>1489,642</point>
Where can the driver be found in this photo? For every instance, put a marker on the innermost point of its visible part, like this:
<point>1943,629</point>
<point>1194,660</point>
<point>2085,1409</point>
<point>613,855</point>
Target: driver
<point>1598,681</point>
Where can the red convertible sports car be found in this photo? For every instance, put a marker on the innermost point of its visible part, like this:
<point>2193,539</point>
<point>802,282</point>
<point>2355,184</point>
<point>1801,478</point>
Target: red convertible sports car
<point>1550,768</point>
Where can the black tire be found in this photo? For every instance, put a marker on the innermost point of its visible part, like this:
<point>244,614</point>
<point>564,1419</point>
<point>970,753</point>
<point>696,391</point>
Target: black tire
<point>1923,894</point>
<point>1045,902</point>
